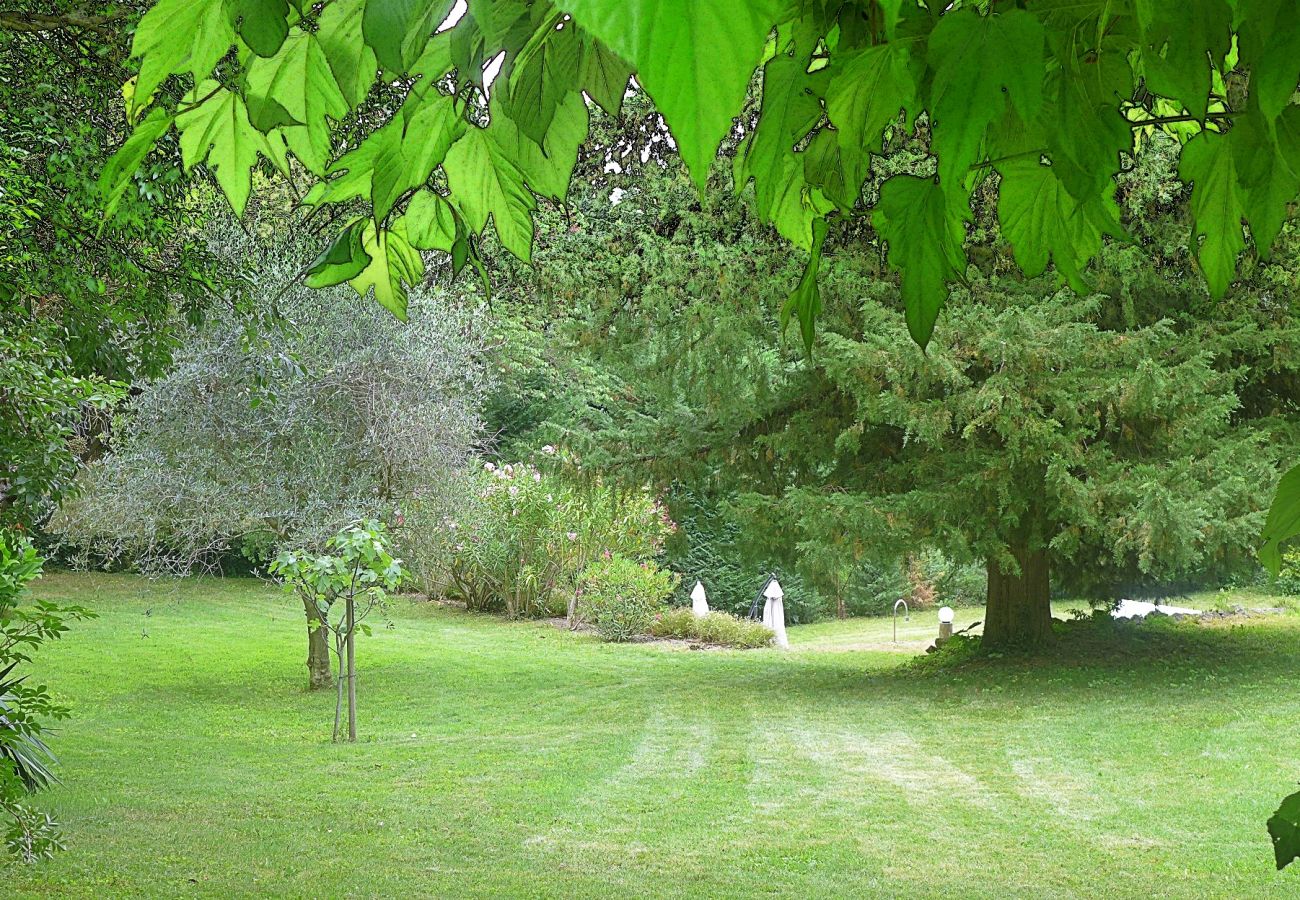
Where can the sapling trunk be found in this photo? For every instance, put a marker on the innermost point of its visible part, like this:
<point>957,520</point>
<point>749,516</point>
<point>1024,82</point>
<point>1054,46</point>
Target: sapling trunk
<point>338,693</point>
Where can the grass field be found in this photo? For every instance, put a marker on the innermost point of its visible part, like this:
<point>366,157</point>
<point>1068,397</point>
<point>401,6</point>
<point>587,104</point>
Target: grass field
<point>514,759</point>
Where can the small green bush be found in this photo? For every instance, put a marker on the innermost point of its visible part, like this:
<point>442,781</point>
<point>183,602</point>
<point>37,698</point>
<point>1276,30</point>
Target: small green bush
<point>750,635</point>
<point>622,596</point>
<point>674,623</point>
<point>1288,579</point>
<point>719,628</point>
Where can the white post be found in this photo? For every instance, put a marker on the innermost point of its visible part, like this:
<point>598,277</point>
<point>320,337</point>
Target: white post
<point>699,601</point>
<point>774,613</point>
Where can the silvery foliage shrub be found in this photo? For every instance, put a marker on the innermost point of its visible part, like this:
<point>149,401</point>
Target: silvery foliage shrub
<point>333,411</point>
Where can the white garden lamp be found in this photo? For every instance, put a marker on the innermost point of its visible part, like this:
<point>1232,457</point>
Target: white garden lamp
<point>945,624</point>
<point>774,613</point>
<point>699,600</point>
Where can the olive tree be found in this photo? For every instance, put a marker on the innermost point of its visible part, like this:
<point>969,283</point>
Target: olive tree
<point>261,440</point>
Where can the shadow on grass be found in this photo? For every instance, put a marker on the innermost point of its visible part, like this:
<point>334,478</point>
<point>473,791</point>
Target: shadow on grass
<point>1194,660</point>
<point>513,665</point>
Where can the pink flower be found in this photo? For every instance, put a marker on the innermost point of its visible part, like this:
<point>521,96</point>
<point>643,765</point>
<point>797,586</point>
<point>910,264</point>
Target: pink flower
<point>573,535</point>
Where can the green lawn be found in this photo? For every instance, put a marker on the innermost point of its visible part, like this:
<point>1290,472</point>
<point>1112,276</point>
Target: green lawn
<point>514,759</point>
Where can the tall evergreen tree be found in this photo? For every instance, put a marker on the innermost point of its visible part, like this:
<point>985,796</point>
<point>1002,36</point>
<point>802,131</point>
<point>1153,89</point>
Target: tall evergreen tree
<point>1124,437</point>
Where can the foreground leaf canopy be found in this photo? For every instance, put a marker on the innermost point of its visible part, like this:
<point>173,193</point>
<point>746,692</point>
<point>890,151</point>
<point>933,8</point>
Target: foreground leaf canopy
<point>1051,95</point>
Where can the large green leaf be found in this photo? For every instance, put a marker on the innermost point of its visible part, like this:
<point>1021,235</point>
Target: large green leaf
<point>925,231</point>
<point>805,301</point>
<point>1284,829</point>
<point>122,166</point>
<point>975,59</point>
<point>544,73</point>
<point>218,131</point>
<point>179,36</point>
<point>547,169</point>
<point>299,81</point>
<point>486,180</point>
<point>430,222</point>
<point>1268,44</point>
<point>398,157</point>
<point>868,91</point>
<point>344,259</point>
<point>1042,219</point>
<point>790,109</point>
<point>1082,128</point>
<point>351,60</point>
<point>603,75</point>
<point>1267,157</point>
<point>694,57</point>
<point>791,205</point>
<point>394,264</point>
<point>1283,522</point>
<point>836,172</point>
<point>1218,206</point>
<point>1183,39</point>
<point>417,141</point>
<point>397,30</point>
<point>263,24</point>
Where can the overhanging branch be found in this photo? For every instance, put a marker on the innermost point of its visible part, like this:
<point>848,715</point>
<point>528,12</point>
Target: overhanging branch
<point>25,21</point>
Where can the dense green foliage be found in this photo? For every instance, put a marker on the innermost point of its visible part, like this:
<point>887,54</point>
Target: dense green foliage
<point>47,414</point>
<point>87,301</point>
<point>26,708</point>
<point>1049,96</point>
<point>1163,412</point>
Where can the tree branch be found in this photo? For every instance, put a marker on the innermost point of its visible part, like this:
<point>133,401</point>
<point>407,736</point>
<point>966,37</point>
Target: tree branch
<point>1169,120</point>
<point>20,20</point>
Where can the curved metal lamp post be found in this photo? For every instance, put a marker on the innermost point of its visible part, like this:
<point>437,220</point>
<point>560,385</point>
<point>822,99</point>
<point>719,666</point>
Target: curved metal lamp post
<point>907,615</point>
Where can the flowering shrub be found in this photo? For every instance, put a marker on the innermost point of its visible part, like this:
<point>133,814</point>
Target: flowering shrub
<point>623,595</point>
<point>527,537</point>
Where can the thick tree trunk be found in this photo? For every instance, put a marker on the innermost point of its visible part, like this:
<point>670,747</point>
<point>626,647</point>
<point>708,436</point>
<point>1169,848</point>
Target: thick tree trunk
<point>1019,610</point>
<point>318,651</point>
